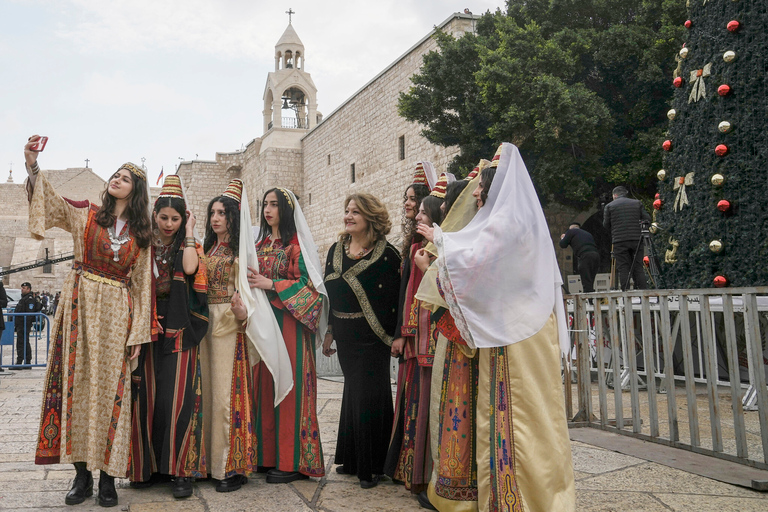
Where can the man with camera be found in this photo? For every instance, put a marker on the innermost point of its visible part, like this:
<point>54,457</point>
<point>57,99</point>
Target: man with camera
<point>23,324</point>
<point>622,217</point>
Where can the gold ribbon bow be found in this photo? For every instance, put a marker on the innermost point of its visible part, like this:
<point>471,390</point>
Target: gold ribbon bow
<point>680,183</point>
<point>699,89</point>
<point>671,255</point>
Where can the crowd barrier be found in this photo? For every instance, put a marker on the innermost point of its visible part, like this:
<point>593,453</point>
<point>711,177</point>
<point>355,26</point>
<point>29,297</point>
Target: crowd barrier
<point>39,336</point>
<point>658,352</point>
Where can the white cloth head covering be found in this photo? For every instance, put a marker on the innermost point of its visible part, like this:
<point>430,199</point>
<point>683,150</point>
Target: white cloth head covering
<point>499,273</point>
<point>262,328</point>
<point>312,262</point>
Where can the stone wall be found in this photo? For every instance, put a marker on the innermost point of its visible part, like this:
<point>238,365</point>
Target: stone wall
<point>365,132</point>
<point>18,247</point>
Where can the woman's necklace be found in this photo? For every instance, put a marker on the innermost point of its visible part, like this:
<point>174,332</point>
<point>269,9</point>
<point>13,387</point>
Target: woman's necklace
<point>162,251</point>
<point>357,256</point>
<point>117,241</point>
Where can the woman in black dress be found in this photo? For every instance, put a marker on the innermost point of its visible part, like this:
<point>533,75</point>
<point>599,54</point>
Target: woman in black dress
<point>362,276</point>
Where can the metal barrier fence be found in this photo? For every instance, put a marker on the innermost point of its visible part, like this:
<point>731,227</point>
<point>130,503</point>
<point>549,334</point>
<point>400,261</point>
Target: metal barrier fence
<point>39,328</point>
<point>663,351</point>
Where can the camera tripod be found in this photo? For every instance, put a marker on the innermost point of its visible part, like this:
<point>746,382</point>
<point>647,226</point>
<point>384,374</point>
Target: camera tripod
<point>652,271</point>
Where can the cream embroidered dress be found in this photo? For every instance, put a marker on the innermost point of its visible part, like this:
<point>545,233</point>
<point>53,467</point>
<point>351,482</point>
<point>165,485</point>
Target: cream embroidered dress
<point>104,309</point>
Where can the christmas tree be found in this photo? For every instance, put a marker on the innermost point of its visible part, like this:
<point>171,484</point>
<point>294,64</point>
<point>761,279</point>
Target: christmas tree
<point>711,218</point>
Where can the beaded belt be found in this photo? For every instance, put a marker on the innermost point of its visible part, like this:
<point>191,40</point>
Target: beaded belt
<point>347,316</point>
<point>100,276</point>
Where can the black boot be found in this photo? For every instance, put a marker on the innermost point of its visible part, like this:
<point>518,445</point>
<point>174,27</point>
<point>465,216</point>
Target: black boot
<point>82,486</point>
<point>107,492</point>
<point>182,487</point>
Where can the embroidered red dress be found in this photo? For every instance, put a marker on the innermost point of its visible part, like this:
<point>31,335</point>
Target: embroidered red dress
<point>86,413</point>
<point>289,434</point>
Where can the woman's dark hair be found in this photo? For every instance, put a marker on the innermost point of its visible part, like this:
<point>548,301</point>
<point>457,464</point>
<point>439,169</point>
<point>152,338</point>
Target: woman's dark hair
<point>432,208</point>
<point>486,178</point>
<point>452,193</point>
<point>232,212</point>
<point>408,226</point>
<point>287,226</point>
<point>177,204</point>
<point>138,210</point>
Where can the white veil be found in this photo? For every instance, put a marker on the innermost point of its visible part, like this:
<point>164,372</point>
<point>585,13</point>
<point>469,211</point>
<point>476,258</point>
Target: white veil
<point>312,262</point>
<point>262,329</point>
<point>429,171</point>
<point>502,278</point>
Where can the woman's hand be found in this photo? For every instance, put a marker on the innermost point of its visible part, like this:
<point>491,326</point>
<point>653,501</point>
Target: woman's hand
<point>191,221</point>
<point>428,232</point>
<point>29,155</point>
<point>327,350</point>
<point>256,280</point>
<point>135,350</point>
<point>238,307</point>
<point>397,346</point>
<point>422,259</point>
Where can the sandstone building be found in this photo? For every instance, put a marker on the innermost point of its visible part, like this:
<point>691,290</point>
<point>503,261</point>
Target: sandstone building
<point>362,146</point>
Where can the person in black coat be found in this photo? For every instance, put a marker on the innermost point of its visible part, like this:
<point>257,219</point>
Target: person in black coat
<point>585,252</point>
<point>621,218</point>
<point>3,304</point>
<point>23,324</point>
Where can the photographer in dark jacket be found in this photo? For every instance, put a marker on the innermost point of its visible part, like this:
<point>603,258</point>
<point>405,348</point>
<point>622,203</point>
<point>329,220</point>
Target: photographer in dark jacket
<point>621,218</point>
<point>3,304</point>
<point>585,252</point>
<point>23,324</point>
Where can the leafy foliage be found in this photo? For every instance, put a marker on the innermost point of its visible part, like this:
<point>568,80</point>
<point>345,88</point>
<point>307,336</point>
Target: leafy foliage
<point>575,84</point>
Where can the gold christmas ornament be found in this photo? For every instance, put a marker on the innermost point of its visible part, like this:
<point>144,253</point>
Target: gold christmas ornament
<point>654,228</point>
<point>661,175</point>
<point>717,179</point>
<point>729,56</point>
<point>716,246</point>
<point>680,183</point>
<point>683,52</point>
<point>671,255</point>
<point>698,89</point>
<point>671,113</point>
<point>724,127</point>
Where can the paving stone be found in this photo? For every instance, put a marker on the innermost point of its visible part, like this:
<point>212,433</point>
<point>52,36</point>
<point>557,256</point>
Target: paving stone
<point>688,502</point>
<point>590,459</point>
<point>618,502</point>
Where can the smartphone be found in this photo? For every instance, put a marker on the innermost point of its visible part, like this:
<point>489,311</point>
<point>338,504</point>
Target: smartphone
<point>42,141</point>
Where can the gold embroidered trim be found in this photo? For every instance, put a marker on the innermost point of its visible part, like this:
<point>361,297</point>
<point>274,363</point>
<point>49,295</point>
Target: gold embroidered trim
<point>350,276</point>
<point>347,316</point>
<point>100,279</point>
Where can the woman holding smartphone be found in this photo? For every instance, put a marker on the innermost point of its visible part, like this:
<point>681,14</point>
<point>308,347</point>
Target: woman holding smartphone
<point>103,316</point>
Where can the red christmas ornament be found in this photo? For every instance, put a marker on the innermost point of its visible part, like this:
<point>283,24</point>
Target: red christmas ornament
<point>657,204</point>
<point>733,26</point>
<point>678,82</point>
<point>688,23</point>
<point>646,261</point>
<point>720,281</point>
<point>721,150</point>
<point>723,205</point>
<point>724,90</point>
<point>667,145</point>
<point>657,195</point>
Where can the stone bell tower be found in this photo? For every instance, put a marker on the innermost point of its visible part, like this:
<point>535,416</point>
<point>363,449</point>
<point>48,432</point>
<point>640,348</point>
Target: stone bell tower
<point>290,95</point>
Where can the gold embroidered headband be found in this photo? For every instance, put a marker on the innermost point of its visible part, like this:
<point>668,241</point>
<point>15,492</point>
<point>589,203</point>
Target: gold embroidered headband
<point>135,170</point>
<point>287,196</point>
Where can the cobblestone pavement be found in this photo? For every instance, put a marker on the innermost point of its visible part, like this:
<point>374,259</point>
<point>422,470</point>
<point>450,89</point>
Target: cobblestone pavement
<point>605,480</point>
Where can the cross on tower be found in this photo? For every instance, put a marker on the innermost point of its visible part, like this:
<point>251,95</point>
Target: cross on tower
<point>290,12</point>
<point>86,163</point>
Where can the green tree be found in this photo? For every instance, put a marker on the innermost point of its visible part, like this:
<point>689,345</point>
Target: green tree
<point>575,84</point>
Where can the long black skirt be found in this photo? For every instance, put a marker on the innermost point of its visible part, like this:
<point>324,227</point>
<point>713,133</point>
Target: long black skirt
<point>366,407</point>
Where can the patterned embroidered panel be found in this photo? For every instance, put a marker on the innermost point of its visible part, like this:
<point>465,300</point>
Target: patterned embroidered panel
<point>284,264</point>
<point>164,275</point>
<point>97,250</point>
<point>408,407</point>
<point>242,441</point>
<point>504,490</point>
<point>219,264</point>
<point>456,461</point>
